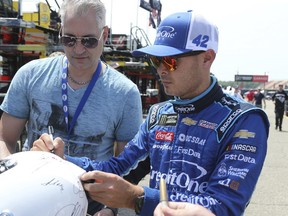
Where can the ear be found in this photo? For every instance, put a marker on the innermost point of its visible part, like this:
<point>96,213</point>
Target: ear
<point>209,56</point>
<point>105,34</point>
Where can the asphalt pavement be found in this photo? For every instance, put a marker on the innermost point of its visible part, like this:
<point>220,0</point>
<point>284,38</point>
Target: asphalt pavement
<point>270,196</point>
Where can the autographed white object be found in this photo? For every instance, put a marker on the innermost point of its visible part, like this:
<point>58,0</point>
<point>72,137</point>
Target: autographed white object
<point>40,183</point>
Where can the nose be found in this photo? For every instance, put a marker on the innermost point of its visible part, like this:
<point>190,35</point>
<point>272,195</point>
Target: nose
<point>162,70</point>
<point>78,47</point>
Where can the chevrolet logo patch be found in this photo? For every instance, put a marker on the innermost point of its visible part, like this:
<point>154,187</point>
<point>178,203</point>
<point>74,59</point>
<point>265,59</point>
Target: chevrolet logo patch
<point>244,134</point>
<point>189,121</point>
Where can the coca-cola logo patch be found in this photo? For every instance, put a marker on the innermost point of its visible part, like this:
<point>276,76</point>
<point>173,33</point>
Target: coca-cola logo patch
<point>164,136</point>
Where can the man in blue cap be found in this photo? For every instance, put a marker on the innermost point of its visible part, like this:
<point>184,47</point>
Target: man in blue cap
<point>208,146</point>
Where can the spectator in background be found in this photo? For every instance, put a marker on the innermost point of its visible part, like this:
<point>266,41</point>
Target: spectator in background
<point>236,92</point>
<point>250,96</point>
<point>259,99</point>
<point>279,98</point>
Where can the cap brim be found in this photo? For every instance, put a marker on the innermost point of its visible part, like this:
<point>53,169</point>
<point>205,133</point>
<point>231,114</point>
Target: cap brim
<point>159,50</point>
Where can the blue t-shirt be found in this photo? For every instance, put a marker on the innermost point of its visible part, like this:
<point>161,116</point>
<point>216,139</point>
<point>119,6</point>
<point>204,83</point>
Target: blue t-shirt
<point>113,111</point>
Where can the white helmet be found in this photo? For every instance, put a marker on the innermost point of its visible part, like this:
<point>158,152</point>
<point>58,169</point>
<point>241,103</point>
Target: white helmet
<point>40,183</point>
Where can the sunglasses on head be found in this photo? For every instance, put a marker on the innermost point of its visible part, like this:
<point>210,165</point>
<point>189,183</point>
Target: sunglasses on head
<point>88,42</point>
<point>170,62</point>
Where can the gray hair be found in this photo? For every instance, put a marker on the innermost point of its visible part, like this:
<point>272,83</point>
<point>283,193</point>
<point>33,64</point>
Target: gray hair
<point>80,7</point>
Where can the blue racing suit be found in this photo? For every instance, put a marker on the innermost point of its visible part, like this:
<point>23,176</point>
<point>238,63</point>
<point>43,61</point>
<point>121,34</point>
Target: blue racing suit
<point>210,150</point>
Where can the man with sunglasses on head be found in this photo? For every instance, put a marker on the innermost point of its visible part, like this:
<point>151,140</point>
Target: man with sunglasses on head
<point>208,146</point>
<point>90,105</point>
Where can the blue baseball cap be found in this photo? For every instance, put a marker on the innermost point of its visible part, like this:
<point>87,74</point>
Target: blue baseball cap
<point>181,33</point>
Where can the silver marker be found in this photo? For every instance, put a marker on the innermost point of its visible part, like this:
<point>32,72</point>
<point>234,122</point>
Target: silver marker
<point>51,132</point>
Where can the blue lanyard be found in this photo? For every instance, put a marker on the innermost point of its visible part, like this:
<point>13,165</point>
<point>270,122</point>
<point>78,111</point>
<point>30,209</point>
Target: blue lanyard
<point>83,99</point>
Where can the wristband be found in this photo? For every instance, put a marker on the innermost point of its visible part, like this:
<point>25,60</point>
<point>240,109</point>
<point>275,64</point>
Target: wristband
<point>139,201</point>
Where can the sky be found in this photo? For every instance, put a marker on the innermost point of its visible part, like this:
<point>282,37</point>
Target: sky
<point>253,34</point>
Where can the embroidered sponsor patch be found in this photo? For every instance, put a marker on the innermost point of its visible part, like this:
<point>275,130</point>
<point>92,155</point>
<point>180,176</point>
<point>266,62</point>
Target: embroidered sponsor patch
<point>188,121</point>
<point>168,120</point>
<point>240,157</point>
<point>185,109</point>
<point>164,136</point>
<point>207,124</point>
<point>242,147</point>
<point>245,134</point>
<point>230,183</point>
